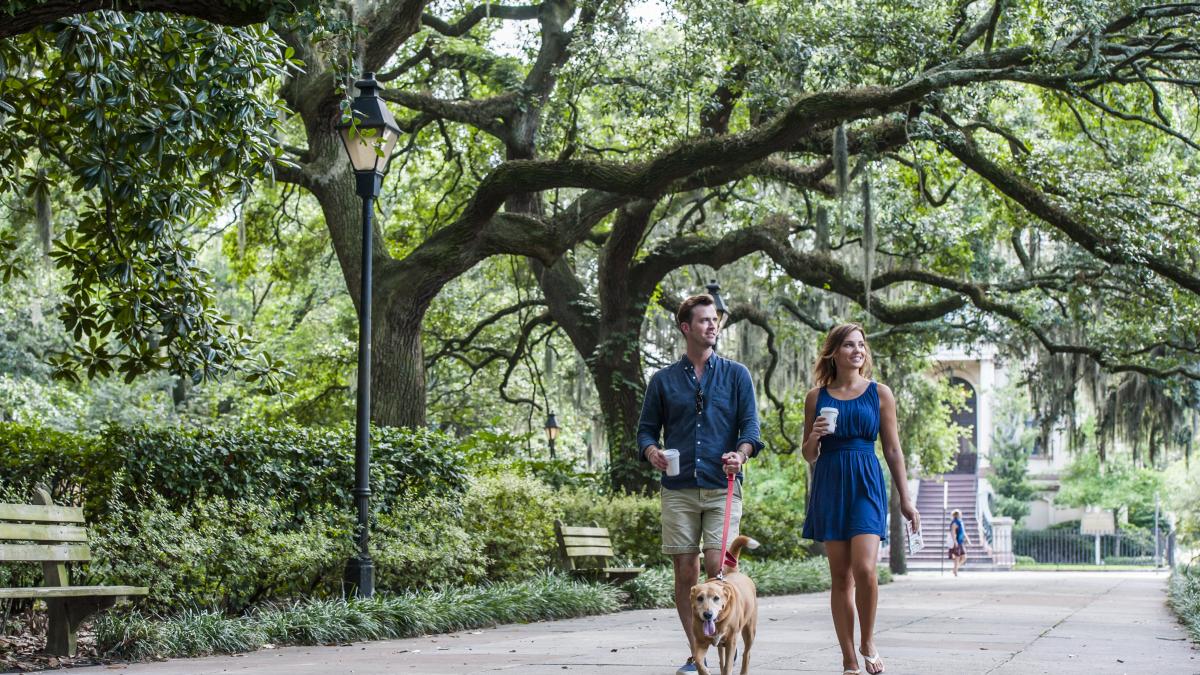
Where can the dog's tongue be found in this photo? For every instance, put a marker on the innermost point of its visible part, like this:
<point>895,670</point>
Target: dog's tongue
<point>710,628</point>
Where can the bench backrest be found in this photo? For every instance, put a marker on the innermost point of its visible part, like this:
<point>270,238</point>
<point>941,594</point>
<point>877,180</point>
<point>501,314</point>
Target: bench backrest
<point>582,542</point>
<point>45,533</point>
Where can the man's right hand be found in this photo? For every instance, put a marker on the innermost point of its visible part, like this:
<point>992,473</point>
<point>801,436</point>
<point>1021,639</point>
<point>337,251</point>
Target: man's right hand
<point>655,456</point>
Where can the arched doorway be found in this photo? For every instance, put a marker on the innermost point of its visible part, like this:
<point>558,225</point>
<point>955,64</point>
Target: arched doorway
<point>967,460</point>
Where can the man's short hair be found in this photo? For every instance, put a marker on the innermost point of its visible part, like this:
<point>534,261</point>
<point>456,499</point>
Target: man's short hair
<point>684,315</point>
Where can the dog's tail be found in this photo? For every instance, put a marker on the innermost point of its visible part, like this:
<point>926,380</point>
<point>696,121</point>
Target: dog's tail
<point>735,551</point>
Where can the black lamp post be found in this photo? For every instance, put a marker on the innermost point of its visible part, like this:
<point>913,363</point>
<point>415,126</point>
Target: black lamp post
<point>714,289</point>
<point>551,432</point>
<point>369,138</point>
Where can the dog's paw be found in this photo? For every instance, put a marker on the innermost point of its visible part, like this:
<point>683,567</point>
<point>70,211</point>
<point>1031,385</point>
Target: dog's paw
<point>753,544</point>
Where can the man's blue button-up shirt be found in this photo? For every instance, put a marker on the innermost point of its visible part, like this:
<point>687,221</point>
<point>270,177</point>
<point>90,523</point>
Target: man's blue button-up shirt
<point>701,434</point>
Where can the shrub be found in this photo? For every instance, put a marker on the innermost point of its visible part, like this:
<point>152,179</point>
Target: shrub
<point>1185,597</point>
<point>513,519</point>
<point>423,544</point>
<point>134,635</point>
<point>774,509</point>
<point>217,554</point>
<point>633,521</point>
<point>302,469</point>
<point>62,461</point>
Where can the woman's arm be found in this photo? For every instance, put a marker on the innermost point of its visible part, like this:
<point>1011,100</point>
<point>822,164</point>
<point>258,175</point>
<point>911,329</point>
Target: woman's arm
<point>813,430</point>
<point>889,433</point>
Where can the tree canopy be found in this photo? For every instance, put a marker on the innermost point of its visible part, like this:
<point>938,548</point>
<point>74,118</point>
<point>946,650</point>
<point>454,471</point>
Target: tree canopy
<point>1012,172</point>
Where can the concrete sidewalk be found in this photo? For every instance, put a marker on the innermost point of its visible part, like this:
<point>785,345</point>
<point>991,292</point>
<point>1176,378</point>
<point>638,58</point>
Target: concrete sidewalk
<point>1015,623</point>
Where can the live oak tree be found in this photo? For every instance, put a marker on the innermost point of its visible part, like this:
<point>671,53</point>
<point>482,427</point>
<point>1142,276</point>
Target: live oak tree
<point>1029,167</point>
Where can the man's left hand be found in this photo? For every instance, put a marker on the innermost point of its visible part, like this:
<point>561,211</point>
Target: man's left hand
<point>733,462</point>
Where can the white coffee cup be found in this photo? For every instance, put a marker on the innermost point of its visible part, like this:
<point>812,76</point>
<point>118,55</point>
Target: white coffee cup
<point>830,415</point>
<point>672,456</point>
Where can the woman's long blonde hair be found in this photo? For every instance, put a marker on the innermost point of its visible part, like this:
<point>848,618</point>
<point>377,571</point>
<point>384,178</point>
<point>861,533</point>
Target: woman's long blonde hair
<point>826,368</point>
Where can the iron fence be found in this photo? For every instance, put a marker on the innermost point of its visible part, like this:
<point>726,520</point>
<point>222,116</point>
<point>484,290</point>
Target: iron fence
<point>1064,547</point>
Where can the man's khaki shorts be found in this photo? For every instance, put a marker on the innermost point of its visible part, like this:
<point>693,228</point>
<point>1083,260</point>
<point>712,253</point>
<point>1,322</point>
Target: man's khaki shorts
<point>692,514</point>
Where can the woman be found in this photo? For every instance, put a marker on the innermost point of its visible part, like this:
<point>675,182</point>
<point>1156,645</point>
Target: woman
<point>958,535</point>
<point>848,505</point>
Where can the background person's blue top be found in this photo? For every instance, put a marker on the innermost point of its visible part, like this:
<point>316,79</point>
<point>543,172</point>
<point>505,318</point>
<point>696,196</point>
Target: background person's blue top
<point>729,418</point>
<point>959,532</point>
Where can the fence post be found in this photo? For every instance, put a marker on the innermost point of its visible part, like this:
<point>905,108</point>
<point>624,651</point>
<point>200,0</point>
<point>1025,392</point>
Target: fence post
<point>1002,542</point>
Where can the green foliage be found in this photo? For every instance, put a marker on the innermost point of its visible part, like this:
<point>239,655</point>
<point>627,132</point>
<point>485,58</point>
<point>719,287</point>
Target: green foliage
<point>1012,443</point>
<point>634,522</point>
<point>218,554</point>
<point>302,469</point>
<point>513,518</point>
<point>1183,499</point>
<point>655,588</point>
<point>1111,485</point>
<point>149,122</point>
<point>135,635</point>
<point>773,512</point>
<point>1184,592</point>
<point>426,535</point>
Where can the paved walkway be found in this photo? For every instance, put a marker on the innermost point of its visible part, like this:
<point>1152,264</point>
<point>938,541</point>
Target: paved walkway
<point>1017,623</point>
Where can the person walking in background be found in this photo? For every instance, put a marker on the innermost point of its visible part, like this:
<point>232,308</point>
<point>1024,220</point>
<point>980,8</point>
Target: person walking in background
<point>958,540</point>
<point>704,409</point>
<point>848,506</point>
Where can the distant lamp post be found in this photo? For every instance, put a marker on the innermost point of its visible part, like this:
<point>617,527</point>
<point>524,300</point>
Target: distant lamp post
<point>714,289</point>
<point>552,430</point>
<point>369,138</point>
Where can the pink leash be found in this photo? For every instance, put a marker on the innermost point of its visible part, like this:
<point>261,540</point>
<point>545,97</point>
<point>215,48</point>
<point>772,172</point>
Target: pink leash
<point>725,527</point>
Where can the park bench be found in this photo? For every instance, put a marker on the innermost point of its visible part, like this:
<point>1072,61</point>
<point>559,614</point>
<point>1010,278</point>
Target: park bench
<point>54,536</point>
<point>585,552</point>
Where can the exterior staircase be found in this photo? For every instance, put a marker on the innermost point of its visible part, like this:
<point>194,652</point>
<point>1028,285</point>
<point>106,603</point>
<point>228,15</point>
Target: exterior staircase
<point>935,525</point>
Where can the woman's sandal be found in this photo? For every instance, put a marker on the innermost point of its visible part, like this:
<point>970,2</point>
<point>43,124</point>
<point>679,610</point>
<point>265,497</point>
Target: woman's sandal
<point>852,671</point>
<point>874,662</point>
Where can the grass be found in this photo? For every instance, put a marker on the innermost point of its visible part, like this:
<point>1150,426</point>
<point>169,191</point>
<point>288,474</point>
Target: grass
<point>1184,597</point>
<point>654,589</point>
<point>137,636</point>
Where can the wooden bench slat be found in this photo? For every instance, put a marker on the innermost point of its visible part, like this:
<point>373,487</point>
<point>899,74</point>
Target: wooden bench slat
<point>587,541</point>
<point>41,514</point>
<point>585,531</point>
<point>42,592</point>
<point>577,551</point>
<point>28,532</point>
<point>44,552</point>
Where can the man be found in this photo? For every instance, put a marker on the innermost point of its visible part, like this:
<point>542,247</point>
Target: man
<point>704,407</point>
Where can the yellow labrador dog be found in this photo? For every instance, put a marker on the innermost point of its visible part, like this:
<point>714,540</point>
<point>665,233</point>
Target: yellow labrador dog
<point>724,608</point>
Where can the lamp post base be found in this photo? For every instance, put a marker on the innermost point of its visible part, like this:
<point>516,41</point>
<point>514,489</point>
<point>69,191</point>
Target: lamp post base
<point>360,577</point>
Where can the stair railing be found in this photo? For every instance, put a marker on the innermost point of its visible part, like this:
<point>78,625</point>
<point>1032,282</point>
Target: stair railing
<point>984,510</point>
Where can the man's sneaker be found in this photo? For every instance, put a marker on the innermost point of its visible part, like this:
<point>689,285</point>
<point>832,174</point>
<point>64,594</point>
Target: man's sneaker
<point>689,667</point>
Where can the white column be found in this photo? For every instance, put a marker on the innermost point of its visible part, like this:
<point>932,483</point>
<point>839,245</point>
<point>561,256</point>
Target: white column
<point>1002,553</point>
<point>985,396</point>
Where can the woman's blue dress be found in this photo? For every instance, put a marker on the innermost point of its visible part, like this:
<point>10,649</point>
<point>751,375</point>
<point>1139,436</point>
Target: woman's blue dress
<point>849,495</point>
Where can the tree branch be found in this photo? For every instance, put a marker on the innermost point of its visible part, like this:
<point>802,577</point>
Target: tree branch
<point>477,14</point>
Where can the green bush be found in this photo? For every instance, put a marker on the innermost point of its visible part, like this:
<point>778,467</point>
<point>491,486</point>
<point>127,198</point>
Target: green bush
<point>512,517</point>
<point>423,544</point>
<point>302,469</point>
<point>64,462</point>
<point>633,521</point>
<point>1185,597</point>
<point>774,506</point>
<point>218,554</point>
<point>135,635</point>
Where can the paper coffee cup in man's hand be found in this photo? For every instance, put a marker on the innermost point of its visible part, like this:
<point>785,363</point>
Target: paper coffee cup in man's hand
<point>672,456</point>
<point>830,415</point>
